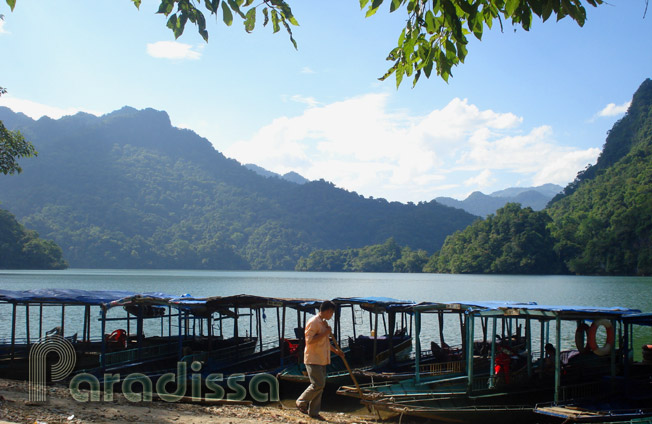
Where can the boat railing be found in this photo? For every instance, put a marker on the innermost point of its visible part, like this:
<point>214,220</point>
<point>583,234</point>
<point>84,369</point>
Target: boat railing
<point>483,383</point>
<point>441,368</point>
<point>131,355</point>
<point>580,391</point>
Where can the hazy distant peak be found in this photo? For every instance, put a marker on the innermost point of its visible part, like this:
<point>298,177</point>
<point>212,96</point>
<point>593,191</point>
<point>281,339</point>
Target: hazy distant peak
<point>291,176</point>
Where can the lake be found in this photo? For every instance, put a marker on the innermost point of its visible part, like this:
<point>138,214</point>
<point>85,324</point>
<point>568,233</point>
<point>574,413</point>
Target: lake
<point>631,292</point>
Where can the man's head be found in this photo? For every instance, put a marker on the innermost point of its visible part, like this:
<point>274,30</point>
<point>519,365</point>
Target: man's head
<point>327,309</point>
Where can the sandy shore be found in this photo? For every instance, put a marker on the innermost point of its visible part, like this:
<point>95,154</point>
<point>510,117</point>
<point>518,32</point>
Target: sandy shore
<point>62,408</point>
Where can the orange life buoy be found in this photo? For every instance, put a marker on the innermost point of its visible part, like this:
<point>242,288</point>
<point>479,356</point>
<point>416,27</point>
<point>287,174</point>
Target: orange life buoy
<point>606,349</point>
<point>582,338</point>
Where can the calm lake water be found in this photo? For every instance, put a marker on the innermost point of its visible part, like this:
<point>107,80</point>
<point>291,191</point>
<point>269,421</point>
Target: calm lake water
<point>631,292</point>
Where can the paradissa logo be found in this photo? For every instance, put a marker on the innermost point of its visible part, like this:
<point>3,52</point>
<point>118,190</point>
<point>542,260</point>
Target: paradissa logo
<point>38,361</point>
<point>214,391</point>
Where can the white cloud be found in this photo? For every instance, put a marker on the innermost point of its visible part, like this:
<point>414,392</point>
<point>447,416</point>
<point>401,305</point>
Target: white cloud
<point>36,110</point>
<point>173,50</point>
<point>362,145</point>
<point>2,27</point>
<point>310,101</point>
<point>307,70</point>
<point>614,110</point>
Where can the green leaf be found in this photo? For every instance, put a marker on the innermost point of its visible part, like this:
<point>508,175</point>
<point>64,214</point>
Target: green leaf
<point>373,8</point>
<point>250,21</point>
<point>212,6</point>
<point>172,22</point>
<point>12,4</point>
<point>227,16</point>
<point>166,7</point>
<point>511,6</point>
<point>248,3</point>
<point>266,16</point>
<point>395,5</point>
<point>136,3</point>
<point>236,8</point>
<point>275,26</point>
<point>430,22</point>
<point>287,27</point>
<point>363,3</point>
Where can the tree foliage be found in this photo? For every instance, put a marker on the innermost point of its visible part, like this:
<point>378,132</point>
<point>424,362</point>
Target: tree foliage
<point>386,257</point>
<point>13,146</point>
<point>23,249</point>
<point>604,225</point>
<point>513,241</point>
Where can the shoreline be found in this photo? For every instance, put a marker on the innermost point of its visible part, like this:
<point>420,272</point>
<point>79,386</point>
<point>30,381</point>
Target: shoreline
<point>60,407</point>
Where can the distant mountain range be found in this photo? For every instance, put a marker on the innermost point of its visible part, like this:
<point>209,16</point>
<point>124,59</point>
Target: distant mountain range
<point>129,190</point>
<point>291,176</point>
<point>481,204</point>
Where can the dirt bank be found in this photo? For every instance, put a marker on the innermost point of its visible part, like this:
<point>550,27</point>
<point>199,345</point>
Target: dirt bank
<point>62,408</point>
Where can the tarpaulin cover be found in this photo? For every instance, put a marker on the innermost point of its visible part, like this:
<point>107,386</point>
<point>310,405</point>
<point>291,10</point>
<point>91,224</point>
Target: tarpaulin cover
<point>59,296</point>
<point>386,303</point>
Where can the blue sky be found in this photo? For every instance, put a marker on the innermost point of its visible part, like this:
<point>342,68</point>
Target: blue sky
<point>527,108</point>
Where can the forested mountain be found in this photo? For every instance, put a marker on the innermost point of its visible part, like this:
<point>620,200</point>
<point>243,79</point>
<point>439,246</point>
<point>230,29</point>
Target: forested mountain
<point>601,225</point>
<point>604,223</point>
<point>128,190</point>
<point>481,204</point>
<point>23,249</point>
<point>513,241</point>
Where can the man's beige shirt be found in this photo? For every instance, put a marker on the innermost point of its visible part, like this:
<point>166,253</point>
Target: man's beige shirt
<point>317,353</point>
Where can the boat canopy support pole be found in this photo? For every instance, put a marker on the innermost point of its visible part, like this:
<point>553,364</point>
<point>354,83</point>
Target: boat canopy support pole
<point>417,347</point>
<point>440,315</point>
<point>103,326</point>
<point>63,320</point>
<point>40,321</point>
<point>469,351</point>
<point>375,339</point>
<point>353,321</point>
<point>613,360</point>
<point>528,344</point>
<point>557,358</point>
<point>13,330</point>
<point>281,341</point>
<point>27,321</point>
<point>492,362</point>
<point>259,320</point>
<point>392,323</point>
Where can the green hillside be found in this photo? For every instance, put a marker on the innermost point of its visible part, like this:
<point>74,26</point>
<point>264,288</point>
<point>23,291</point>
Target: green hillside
<point>605,225</point>
<point>129,190</point>
<point>600,225</point>
<point>23,249</point>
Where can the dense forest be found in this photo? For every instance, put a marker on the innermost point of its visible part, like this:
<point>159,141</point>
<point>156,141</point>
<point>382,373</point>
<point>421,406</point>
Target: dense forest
<point>23,249</point>
<point>386,257</point>
<point>129,190</point>
<point>600,225</point>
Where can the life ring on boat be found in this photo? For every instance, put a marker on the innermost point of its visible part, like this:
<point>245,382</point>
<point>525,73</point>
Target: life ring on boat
<point>118,336</point>
<point>608,345</point>
<point>582,338</point>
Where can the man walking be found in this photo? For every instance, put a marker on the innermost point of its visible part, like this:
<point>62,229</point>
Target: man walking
<point>316,356</point>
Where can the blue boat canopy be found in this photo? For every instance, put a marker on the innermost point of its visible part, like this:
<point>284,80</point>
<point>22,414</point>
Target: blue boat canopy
<point>63,296</point>
<point>376,304</point>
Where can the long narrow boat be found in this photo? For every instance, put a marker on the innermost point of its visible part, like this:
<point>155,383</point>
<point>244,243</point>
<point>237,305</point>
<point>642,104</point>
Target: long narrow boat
<point>379,350</point>
<point>510,377</point>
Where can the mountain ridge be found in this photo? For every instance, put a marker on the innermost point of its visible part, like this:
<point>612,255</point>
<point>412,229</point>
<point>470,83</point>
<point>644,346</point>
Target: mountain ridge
<point>129,190</point>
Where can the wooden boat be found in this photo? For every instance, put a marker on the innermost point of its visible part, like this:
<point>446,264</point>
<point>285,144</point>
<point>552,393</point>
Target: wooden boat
<point>364,353</point>
<point>490,387</point>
